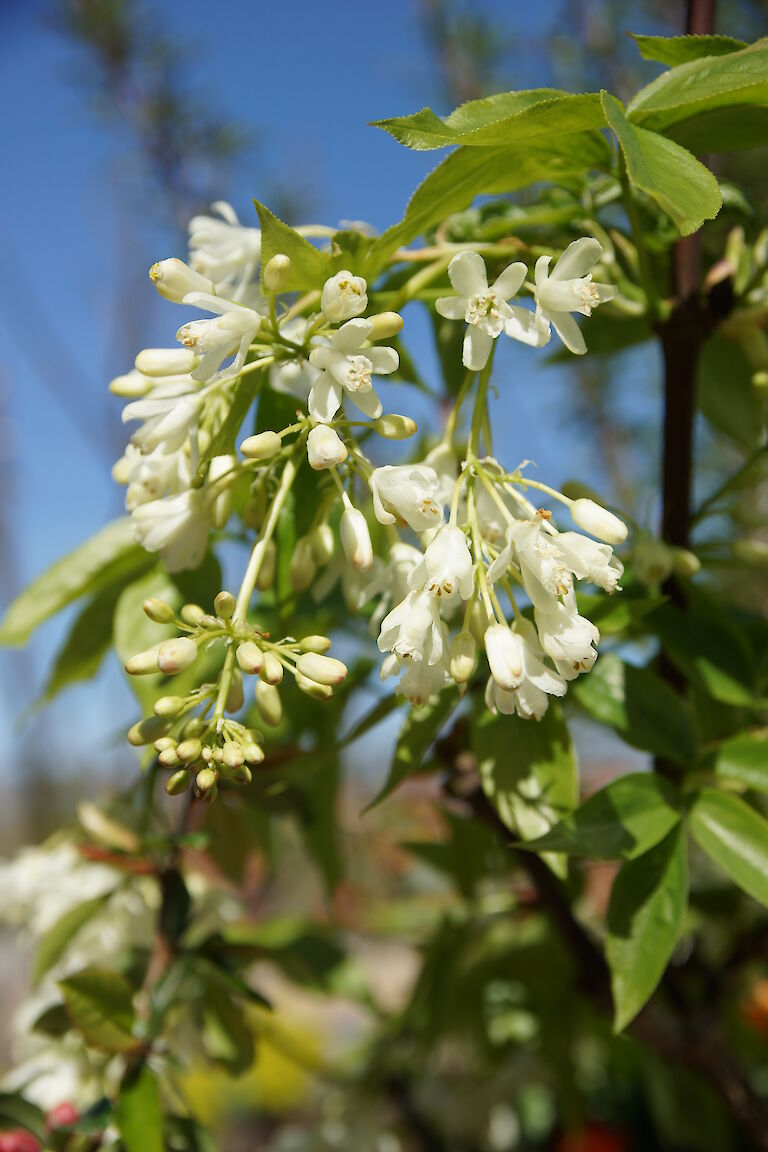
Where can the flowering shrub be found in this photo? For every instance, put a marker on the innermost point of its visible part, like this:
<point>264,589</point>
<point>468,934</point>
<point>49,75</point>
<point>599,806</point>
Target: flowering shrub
<point>263,436</point>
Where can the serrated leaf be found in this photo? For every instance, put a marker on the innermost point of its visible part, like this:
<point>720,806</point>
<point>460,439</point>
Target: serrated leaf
<point>735,836</point>
<point>679,183</point>
<point>58,937</point>
<point>639,705</point>
<point>100,1004</point>
<point>621,821</point>
<point>646,915</point>
<point>674,50</point>
<point>139,1114</point>
<point>420,729</point>
<point>109,557</point>
<point>745,760</point>
<point>310,267</point>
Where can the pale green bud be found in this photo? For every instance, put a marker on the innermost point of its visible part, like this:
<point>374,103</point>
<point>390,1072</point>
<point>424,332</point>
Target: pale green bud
<point>276,272</point>
<point>209,622</point>
<point>302,569</point>
<point>225,605</point>
<point>462,657</point>
<point>262,446</point>
<point>598,521</point>
<point>166,361</point>
<point>206,781</point>
<point>143,663</point>
<point>241,774</point>
<point>269,703</point>
<point>164,742</point>
<point>192,614</point>
<point>148,730</point>
<point>321,669</point>
<point>256,509</point>
<point>132,386</point>
<point>272,670</point>
<point>175,655</point>
<point>253,753</point>
<point>174,280</point>
<point>169,758</point>
<point>652,560</point>
<point>169,706</point>
<point>751,551</point>
<point>685,563</point>
<point>266,577</point>
<point>319,644</point>
<point>312,688</point>
<point>250,658</point>
<point>323,544</point>
<point>179,782</point>
<point>233,754</point>
<point>220,494</point>
<point>194,727</point>
<point>189,750</point>
<point>385,324</point>
<point>478,620</point>
<point>159,611</point>
<point>394,427</point>
<point>235,698</point>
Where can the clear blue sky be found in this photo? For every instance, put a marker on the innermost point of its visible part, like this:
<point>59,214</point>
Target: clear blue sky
<point>310,77</point>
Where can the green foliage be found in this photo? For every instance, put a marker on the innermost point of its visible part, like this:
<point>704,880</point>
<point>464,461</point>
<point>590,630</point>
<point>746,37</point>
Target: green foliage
<point>58,938</point>
<point>744,759</point>
<point>309,266</point>
<point>735,836</point>
<point>674,50</point>
<point>139,1114</point>
<point>99,1003</point>
<point>420,728</point>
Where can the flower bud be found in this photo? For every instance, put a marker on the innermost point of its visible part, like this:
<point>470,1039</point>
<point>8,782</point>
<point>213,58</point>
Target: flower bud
<point>385,324</point>
<point>241,774</point>
<point>148,730</point>
<point>321,669</point>
<point>685,563</point>
<point>322,540</point>
<point>462,657</point>
<point>302,569</point>
<point>132,386</point>
<point>319,644</point>
<point>356,539</point>
<point>179,782</point>
<point>206,782</point>
<point>325,448</point>
<point>272,671</point>
<point>175,655</point>
<point>209,622</point>
<point>262,446</point>
<point>598,521</point>
<point>224,604</point>
<point>169,758</point>
<point>343,297</point>
<point>174,280</point>
<point>235,698</point>
<point>269,703</point>
<point>277,271</point>
<point>312,688</point>
<point>169,706</point>
<point>143,663</point>
<point>159,611</point>
<point>165,361</point>
<point>189,750</point>
<point>253,753</point>
<point>394,427</point>
<point>220,494</point>
<point>502,647</point>
<point>164,742</point>
<point>194,727</point>
<point>256,509</point>
<point>233,754</point>
<point>751,551</point>
<point>192,614</point>
<point>652,560</point>
<point>250,657</point>
<point>266,577</point>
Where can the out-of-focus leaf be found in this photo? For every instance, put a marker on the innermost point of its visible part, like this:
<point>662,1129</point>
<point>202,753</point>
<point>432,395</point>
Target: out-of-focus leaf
<point>735,836</point>
<point>614,614</point>
<point>467,857</point>
<point>725,394</point>
<point>100,1004</point>
<point>16,1112</point>
<point>226,1036</point>
<point>88,642</point>
<point>58,937</point>
<point>139,1114</point>
<point>674,50</point>
<point>709,648</point>
<point>421,727</point>
<point>745,760</point>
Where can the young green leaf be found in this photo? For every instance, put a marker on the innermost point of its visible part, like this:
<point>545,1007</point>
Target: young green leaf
<point>735,836</point>
<point>674,50</point>
<point>309,266</point>
<point>646,915</point>
<point>745,759</point>
<point>100,1005</point>
<point>58,937</point>
<point>139,1114</point>
<point>621,821</point>
<point>16,1112</point>
<point>420,728</point>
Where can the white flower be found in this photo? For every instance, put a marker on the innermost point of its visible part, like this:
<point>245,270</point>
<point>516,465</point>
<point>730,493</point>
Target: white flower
<point>230,331</point>
<point>325,448</point>
<point>446,567</point>
<point>536,681</point>
<point>566,637</point>
<point>569,288</point>
<point>297,376</point>
<point>485,308</point>
<point>406,492</point>
<point>227,253</point>
<point>419,680</point>
<point>598,521</point>
<point>541,564</point>
<point>152,475</point>
<point>443,460</point>
<point>177,527</point>
<point>169,414</point>
<point>413,629</point>
<point>344,296</point>
<point>41,884</point>
<point>505,660</point>
<point>345,368</point>
<point>589,560</point>
<point>174,280</point>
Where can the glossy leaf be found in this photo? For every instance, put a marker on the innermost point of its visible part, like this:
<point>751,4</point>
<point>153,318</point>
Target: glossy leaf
<point>735,836</point>
<point>139,1114</point>
<point>100,1004</point>
<point>646,915</point>
<point>745,760</point>
<point>725,394</point>
<point>621,821</point>
<point>16,1112</point>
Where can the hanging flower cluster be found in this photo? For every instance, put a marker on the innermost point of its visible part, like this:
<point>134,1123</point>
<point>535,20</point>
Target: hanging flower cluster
<point>464,560</point>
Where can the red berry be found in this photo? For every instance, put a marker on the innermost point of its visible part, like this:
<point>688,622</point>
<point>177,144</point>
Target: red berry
<point>18,1141</point>
<point>62,1116</point>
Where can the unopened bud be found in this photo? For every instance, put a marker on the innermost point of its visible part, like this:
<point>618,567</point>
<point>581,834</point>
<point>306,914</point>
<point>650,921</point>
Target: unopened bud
<point>235,698</point>
<point>322,540</point>
<point>175,655</point>
<point>302,568</point>
<point>276,272</point>
<point>343,297</point>
<point>325,448</point>
<point>272,669</point>
<point>206,781</point>
<point>224,604</point>
<point>192,614</point>
<point>319,644</point>
<point>174,280</point>
<point>179,782</point>
<point>312,688</point>
<point>652,560</point>
<point>685,563</point>
<point>356,539</point>
<point>394,427</point>
<point>164,742</point>
<point>462,658</point>
<point>598,521</point>
<point>250,658</point>
<point>132,386</point>
<point>254,753</point>
<point>266,577</point>
<point>321,669</point>
<point>165,361</point>
<point>220,489</point>
<point>385,324</point>
<point>209,622</point>
<point>143,663</point>
<point>256,508</point>
<point>189,750</point>
<point>504,651</point>
<point>159,611</point>
<point>241,774</point>
<point>169,758</point>
<point>750,551</point>
<point>233,754</point>
<point>194,727</point>
<point>478,620</point>
<point>262,446</point>
<point>269,703</point>
<point>148,730</point>
<point>169,706</point>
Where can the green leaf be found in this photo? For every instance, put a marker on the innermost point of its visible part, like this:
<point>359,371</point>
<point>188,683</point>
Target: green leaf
<point>642,708</point>
<point>139,1114</point>
<point>420,728</point>
<point>673,50</point>
<point>58,937</point>
<point>16,1112</point>
<point>735,836</point>
<point>709,648</point>
<point>109,557</point>
<point>88,642</point>
<point>509,119</point>
<point>528,770</point>
<point>725,394</point>
<point>468,857</point>
<point>310,267</point>
<point>135,632</point>
<point>621,821</point>
<point>615,614</point>
<point>243,395</point>
<point>100,1004</point>
<point>226,1037</point>
<point>646,915</point>
<point>745,760</point>
<point>682,186</point>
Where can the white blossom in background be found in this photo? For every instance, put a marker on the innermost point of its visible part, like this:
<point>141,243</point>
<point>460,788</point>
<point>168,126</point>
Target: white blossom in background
<point>176,526</point>
<point>227,253</point>
<point>168,414</point>
<point>569,288</point>
<point>346,367</point>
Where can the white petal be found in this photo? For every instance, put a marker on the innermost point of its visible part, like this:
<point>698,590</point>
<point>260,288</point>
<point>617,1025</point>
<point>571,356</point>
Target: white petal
<point>368,403</point>
<point>568,331</point>
<point>508,283</point>
<point>477,348</point>
<point>452,307</point>
<point>606,291</point>
<point>384,360</point>
<point>467,274</point>
<point>351,335</point>
<point>325,398</point>
<point>542,270</point>
<point>527,327</point>
<point>577,259</point>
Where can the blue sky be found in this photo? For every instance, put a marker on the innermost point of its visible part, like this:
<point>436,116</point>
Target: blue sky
<point>310,77</point>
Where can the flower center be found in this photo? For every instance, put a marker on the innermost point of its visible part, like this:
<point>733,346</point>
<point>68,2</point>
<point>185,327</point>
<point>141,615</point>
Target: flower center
<point>588,294</point>
<point>484,307</point>
<point>359,374</point>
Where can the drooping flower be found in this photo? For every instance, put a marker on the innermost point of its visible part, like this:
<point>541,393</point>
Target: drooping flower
<point>169,413</point>
<point>343,297</point>
<point>568,639</point>
<point>536,681</point>
<point>346,367</point>
<point>325,448</point>
<point>419,680</point>
<point>589,560</point>
<point>226,252</point>
<point>149,476</point>
<point>486,309</point>
<point>176,526</point>
<point>446,567</point>
<point>569,288</point>
<point>535,551</point>
<point>503,649</point>
<point>228,333</point>
<point>406,492</point>
<point>413,629</point>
